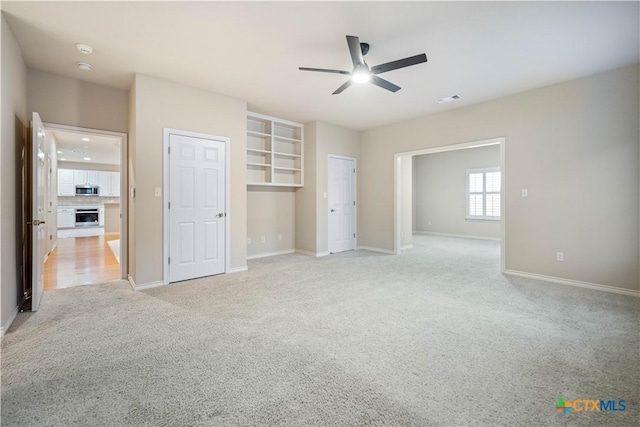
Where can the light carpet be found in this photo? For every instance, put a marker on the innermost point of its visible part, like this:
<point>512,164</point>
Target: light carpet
<point>435,336</point>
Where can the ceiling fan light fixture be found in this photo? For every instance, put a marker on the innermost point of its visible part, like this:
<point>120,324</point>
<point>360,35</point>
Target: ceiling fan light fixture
<point>361,77</point>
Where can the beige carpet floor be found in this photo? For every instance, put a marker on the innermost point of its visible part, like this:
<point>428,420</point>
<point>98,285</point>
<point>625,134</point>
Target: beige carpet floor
<point>435,336</point>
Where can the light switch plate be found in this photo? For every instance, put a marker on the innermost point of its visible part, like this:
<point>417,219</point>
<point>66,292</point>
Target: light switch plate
<point>525,192</point>
<point>158,192</point>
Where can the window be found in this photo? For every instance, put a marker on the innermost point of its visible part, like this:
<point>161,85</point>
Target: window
<point>483,194</point>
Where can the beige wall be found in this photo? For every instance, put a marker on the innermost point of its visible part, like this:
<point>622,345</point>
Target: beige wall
<point>162,104</point>
<point>574,146</point>
<point>324,139</point>
<point>441,191</point>
<point>305,215</point>
<point>13,120</point>
<point>271,212</point>
<point>66,101</point>
<point>406,200</point>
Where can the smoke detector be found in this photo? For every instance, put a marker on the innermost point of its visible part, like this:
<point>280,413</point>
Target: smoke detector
<point>84,66</point>
<point>84,48</point>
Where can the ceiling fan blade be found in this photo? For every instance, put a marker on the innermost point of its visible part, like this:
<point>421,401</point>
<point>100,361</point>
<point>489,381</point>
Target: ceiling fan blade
<point>400,63</point>
<point>343,87</point>
<point>384,84</point>
<point>324,70</point>
<point>355,50</point>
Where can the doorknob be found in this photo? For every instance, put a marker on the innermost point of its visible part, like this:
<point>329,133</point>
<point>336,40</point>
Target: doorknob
<point>220,215</point>
<point>38,222</point>
<point>333,210</point>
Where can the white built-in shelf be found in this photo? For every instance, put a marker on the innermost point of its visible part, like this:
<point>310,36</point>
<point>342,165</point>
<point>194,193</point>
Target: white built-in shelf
<point>275,152</point>
<point>287,169</point>
<point>287,154</point>
<point>282,138</point>
<point>261,134</point>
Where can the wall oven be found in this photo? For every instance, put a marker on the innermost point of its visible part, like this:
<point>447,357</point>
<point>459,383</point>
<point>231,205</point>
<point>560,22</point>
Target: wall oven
<point>87,217</point>
<point>87,190</point>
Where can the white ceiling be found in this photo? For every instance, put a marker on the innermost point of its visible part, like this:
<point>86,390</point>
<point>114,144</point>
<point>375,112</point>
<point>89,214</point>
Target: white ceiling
<point>252,51</point>
<point>99,149</point>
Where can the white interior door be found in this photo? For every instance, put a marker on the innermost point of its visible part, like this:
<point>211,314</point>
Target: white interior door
<point>197,210</point>
<point>38,211</point>
<point>342,203</point>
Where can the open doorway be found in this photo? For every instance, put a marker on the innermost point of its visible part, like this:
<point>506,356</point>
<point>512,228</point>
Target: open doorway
<point>85,203</point>
<point>452,192</point>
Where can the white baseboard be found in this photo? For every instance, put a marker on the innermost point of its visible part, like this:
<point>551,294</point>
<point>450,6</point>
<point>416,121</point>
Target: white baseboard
<point>372,249</point>
<point>144,286</point>
<point>268,254</point>
<point>464,236</point>
<point>7,324</point>
<point>313,254</point>
<point>569,282</point>
<point>237,269</point>
<point>406,247</point>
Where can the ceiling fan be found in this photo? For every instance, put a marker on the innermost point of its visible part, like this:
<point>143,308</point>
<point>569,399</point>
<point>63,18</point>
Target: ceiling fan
<point>362,73</point>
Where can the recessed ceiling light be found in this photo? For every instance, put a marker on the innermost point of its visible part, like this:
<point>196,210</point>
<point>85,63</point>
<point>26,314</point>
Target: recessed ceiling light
<point>84,66</point>
<point>448,99</point>
<point>59,152</point>
<point>84,48</point>
<point>86,139</point>
<point>87,158</point>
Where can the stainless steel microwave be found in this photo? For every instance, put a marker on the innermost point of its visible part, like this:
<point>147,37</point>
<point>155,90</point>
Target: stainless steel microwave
<point>87,190</point>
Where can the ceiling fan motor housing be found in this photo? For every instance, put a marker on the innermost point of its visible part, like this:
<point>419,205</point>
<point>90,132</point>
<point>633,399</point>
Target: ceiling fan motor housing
<point>364,47</point>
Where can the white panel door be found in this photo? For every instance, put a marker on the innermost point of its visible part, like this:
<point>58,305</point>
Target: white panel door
<point>341,200</point>
<point>37,220</point>
<point>197,211</point>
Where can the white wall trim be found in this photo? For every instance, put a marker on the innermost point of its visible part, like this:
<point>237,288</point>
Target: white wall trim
<point>313,254</point>
<point>577,283</point>
<point>165,194</point>
<point>462,236</point>
<point>9,322</point>
<point>268,254</point>
<point>238,269</point>
<point>372,249</point>
<point>405,247</point>
<point>149,286</point>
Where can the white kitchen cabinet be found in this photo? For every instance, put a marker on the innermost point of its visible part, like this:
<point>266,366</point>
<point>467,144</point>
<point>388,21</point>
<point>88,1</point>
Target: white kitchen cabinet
<point>80,177</point>
<point>66,217</point>
<point>109,184</point>
<point>66,185</point>
<point>115,184</point>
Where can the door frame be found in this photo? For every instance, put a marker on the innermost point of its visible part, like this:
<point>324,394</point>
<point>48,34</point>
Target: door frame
<point>397,212</point>
<point>355,198</point>
<point>166,180</point>
<point>124,199</point>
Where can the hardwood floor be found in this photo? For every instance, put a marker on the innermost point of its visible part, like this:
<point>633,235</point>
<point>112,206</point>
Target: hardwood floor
<point>81,261</point>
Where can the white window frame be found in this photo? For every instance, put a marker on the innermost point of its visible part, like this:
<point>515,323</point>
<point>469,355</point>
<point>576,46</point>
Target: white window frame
<point>484,193</point>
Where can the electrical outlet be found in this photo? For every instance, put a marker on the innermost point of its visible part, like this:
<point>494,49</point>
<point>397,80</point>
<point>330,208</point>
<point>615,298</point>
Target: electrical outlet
<point>279,237</point>
<point>262,239</point>
<point>525,192</point>
<point>559,256</point>
<point>249,241</point>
